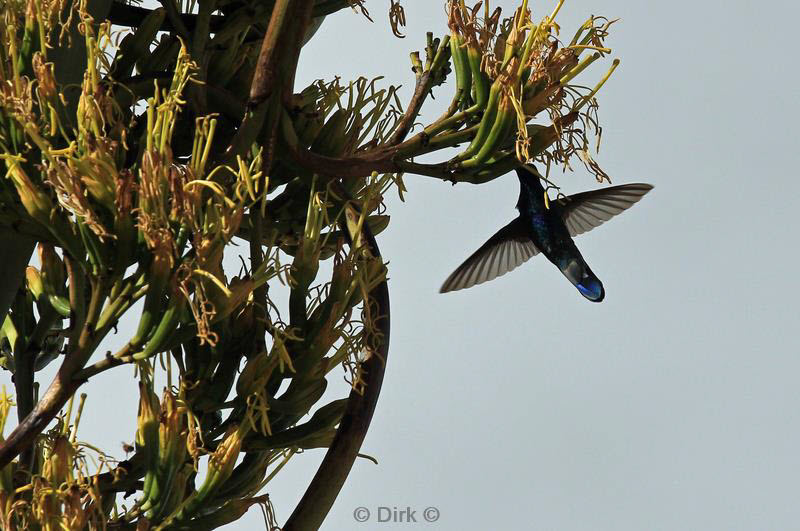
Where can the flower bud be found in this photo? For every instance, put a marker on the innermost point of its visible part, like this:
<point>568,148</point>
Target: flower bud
<point>58,462</point>
<point>34,282</point>
<point>36,202</point>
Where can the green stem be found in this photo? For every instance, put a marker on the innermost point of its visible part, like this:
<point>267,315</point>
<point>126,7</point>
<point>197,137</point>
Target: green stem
<point>260,293</point>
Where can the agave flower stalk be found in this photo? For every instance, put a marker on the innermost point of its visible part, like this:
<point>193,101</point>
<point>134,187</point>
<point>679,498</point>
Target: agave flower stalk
<point>139,168</point>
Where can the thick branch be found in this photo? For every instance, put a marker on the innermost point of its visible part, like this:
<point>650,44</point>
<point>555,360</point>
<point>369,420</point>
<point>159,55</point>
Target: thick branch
<point>131,16</point>
<point>48,407</point>
<point>332,473</point>
<point>62,386</point>
<point>280,51</point>
<point>393,159</point>
<point>263,78</point>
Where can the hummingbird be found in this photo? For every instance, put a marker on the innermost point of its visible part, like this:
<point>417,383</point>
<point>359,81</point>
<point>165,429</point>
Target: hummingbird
<point>547,226</point>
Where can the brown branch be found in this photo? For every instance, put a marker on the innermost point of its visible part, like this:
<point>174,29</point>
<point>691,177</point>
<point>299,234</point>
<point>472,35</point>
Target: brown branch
<point>335,467</point>
<point>379,160</point>
<point>382,161</point>
<point>421,90</point>
<point>131,16</point>
<point>123,356</point>
<point>262,84</point>
<point>394,159</point>
<point>287,25</point>
<point>62,386</point>
<point>46,410</point>
<point>121,478</point>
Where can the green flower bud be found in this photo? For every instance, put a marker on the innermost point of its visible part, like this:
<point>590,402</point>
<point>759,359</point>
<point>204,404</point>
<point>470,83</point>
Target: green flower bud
<point>37,203</point>
<point>33,280</point>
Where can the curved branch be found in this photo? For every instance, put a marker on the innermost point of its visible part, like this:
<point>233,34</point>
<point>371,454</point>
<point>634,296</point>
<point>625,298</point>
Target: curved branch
<point>332,473</point>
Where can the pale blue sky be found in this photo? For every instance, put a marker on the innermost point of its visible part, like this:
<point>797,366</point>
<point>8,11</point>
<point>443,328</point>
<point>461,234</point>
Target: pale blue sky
<point>674,404</point>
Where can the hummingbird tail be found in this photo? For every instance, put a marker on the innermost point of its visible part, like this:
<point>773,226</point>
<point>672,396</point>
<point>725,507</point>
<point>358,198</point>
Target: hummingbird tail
<point>592,289</point>
<point>585,280</point>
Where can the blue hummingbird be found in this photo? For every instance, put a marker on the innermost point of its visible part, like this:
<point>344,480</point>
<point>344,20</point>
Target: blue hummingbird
<point>547,228</point>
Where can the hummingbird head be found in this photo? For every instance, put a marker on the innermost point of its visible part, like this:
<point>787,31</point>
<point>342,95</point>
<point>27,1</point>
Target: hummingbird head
<point>529,177</point>
<point>531,191</point>
<point>582,278</point>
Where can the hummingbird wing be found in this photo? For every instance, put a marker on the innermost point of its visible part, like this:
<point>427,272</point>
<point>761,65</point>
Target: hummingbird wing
<point>584,211</point>
<point>506,250</point>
